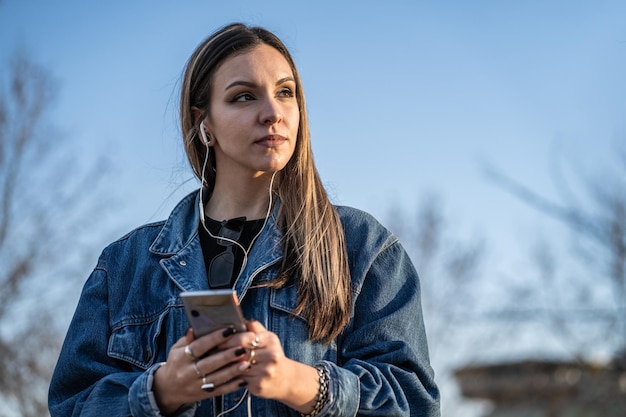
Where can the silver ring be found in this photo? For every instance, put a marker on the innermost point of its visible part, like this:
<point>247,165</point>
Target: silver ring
<point>207,386</point>
<point>256,342</point>
<point>190,354</point>
<point>251,358</point>
<point>195,368</point>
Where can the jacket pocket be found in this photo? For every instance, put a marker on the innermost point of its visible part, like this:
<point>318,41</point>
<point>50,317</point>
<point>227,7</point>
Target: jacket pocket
<point>285,300</point>
<point>292,329</point>
<point>136,340</point>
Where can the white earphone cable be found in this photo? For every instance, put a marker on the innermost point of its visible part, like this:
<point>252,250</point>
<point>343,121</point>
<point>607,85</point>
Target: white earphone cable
<point>245,252</point>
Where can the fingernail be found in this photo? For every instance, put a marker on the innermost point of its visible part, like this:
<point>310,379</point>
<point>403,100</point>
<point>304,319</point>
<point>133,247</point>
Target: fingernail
<point>228,332</point>
<point>240,351</point>
<point>243,384</point>
<point>243,366</point>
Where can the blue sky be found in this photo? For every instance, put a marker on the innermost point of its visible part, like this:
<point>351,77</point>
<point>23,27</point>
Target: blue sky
<point>405,98</point>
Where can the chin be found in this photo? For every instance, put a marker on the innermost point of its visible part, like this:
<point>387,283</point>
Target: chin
<point>271,170</point>
<point>276,164</point>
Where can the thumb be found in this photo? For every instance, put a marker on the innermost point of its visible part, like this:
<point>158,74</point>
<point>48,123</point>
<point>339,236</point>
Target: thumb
<point>254,326</point>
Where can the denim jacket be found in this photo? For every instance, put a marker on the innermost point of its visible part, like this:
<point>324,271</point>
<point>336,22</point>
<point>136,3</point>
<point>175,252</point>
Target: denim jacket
<point>130,314</point>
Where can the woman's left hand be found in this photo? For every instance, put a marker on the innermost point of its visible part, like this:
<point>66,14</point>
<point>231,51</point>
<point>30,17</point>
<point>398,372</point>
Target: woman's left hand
<point>271,374</point>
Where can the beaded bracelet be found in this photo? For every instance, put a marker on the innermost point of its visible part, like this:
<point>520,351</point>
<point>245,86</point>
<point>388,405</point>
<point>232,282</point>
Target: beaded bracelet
<point>322,393</point>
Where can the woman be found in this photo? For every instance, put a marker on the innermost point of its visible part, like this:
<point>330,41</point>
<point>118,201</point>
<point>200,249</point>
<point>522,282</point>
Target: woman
<point>336,326</point>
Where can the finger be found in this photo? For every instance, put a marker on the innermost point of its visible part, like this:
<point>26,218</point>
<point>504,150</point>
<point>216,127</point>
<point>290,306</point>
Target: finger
<point>221,359</point>
<point>206,343</point>
<point>189,335</point>
<point>250,339</point>
<point>185,340</point>
<point>221,381</point>
<point>223,389</point>
<point>255,326</point>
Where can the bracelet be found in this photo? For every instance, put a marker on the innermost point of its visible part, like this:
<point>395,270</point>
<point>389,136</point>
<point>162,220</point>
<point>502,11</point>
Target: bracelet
<point>322,393</point>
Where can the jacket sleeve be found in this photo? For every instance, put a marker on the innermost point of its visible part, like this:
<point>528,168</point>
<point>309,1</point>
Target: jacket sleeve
<point>87,381</point>
<point>383,353</point>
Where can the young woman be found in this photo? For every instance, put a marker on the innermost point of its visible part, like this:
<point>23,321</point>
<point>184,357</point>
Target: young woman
<point>335,325</point>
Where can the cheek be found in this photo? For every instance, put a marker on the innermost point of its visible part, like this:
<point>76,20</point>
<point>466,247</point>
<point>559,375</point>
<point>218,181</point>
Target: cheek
<point>295,118</point>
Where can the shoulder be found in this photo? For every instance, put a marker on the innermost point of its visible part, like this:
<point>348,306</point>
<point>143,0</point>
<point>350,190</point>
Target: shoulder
<point>132,243</point>
<point>377,258</point>
<point>148,230</point>
<point>162,237</point>
<point>364,230</point>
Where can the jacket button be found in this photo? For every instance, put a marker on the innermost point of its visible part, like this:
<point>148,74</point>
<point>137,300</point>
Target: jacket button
<point>183,263</point>
<point>147,354</point>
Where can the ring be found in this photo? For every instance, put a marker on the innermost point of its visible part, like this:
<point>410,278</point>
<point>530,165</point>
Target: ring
<point>251,358</point>
<point>195,368</point>
<point>256,342</point>
<point>190,354</point>
<point>208,387</point>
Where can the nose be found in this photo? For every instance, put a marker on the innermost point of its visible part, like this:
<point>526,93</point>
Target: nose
<point>270,112</point>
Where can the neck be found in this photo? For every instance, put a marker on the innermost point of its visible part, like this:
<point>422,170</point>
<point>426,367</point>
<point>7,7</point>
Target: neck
<point>236,199</point>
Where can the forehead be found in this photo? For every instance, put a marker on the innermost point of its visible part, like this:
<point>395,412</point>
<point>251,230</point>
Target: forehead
<point>263,63</point>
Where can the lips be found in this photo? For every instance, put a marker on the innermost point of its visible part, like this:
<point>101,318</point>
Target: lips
<point>271,141</point>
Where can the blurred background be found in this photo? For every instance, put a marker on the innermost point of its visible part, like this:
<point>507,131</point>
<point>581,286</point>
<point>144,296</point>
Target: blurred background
<point>488,135</point>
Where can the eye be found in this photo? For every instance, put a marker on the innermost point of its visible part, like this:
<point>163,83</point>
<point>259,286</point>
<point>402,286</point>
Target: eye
<point>242,97</point>
<point>286,92</point>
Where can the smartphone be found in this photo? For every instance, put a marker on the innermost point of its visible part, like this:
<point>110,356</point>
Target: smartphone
<point>210,310</point>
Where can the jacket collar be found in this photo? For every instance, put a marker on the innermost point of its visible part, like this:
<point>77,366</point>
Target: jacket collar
<point>180,228</point>
<point>178,240</point>
<point>266,251</point>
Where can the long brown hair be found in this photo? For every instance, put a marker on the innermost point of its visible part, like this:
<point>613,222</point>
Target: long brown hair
<point>313,239</point>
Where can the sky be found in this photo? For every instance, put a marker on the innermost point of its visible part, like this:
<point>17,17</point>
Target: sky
<point>406,99</point>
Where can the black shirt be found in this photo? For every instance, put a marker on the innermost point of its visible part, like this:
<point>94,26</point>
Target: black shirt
<point>211,247</point>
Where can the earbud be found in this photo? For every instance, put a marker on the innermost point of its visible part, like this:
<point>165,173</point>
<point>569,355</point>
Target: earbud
<point>205,139</point>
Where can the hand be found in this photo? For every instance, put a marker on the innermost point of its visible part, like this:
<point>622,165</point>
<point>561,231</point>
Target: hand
<point>271,374</point>
<point>180,380</point>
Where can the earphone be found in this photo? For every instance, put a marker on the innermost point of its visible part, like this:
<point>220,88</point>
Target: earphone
<point>246,395</point>
<point>205,139</point>
<point>201,203</point>
<point>206,142</point>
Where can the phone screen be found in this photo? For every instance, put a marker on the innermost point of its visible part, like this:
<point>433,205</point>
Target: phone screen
<point>211,310</point>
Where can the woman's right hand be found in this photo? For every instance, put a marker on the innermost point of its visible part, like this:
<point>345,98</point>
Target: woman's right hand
<point>180,380</point>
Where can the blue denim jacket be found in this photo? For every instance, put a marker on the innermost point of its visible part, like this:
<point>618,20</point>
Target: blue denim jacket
<point>130,314</point>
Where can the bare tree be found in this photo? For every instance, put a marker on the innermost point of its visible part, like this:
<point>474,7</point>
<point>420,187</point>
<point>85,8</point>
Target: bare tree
<point>586,286</point>
<point>573,293</point>
<point>43,209</point>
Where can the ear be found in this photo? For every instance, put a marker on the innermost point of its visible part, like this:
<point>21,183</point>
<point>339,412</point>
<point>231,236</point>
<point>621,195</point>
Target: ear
<point>198,121</point>
<point>196,113</point>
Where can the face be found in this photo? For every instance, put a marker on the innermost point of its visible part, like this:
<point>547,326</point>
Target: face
<point>254,117</point>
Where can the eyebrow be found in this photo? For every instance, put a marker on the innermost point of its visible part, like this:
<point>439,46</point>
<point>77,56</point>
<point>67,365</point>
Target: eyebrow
<point>253,85</point>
